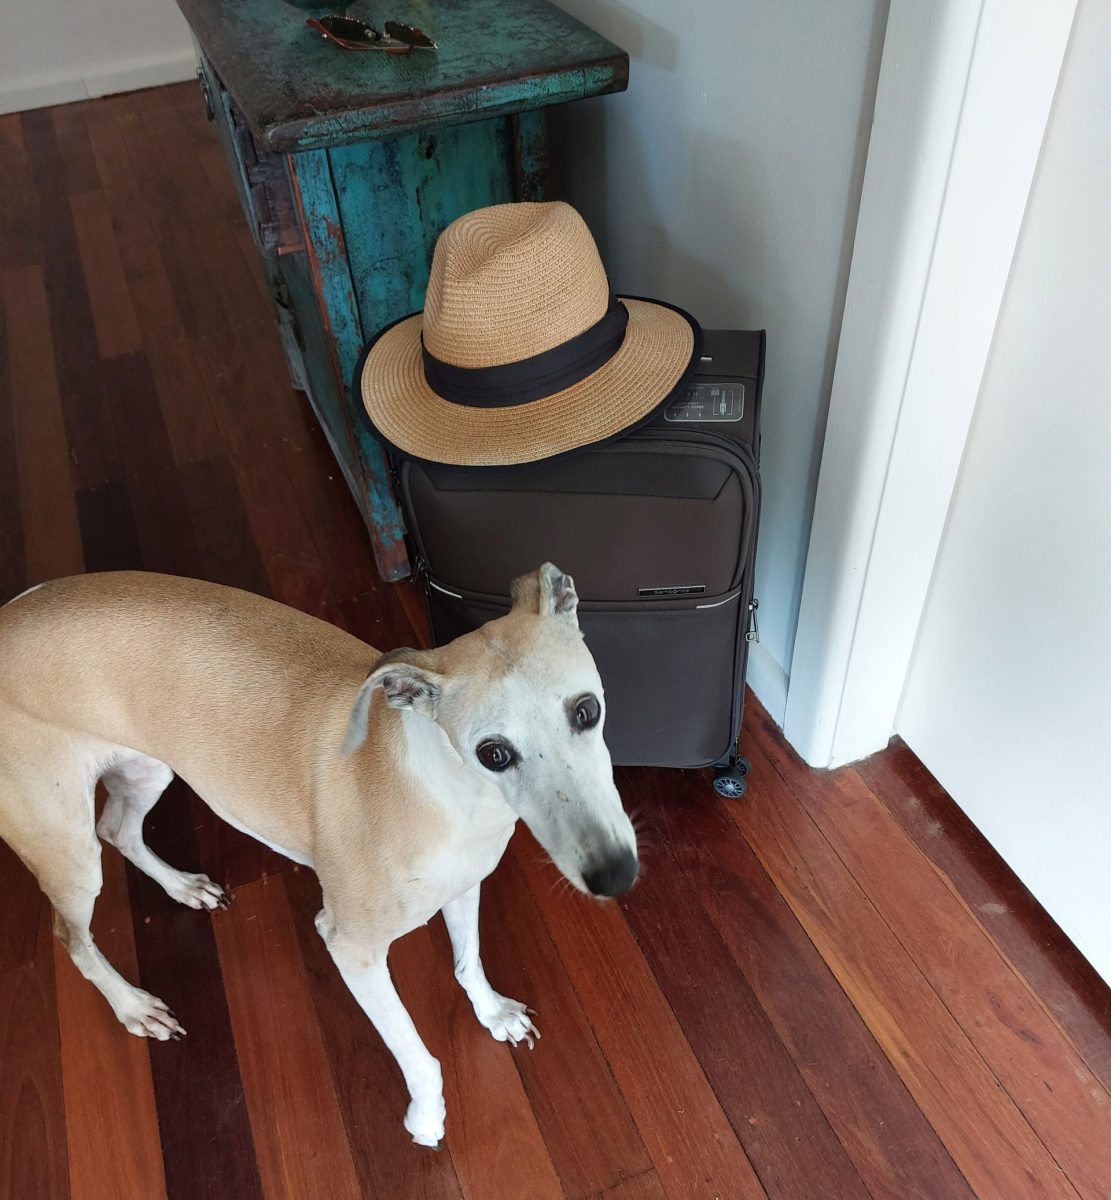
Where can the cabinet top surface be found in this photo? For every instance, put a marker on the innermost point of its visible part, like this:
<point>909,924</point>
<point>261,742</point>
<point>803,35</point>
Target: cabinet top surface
<point>299,90</point>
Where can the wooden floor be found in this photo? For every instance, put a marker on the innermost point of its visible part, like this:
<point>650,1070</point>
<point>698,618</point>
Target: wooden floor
<point>830,989</point>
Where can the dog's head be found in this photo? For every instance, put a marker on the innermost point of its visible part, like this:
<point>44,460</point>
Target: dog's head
<point>521,703</point>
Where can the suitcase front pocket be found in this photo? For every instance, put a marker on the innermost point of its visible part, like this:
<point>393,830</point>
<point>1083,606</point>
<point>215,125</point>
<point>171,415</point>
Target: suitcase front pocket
<point>669,668</point>
<point>642,514</point>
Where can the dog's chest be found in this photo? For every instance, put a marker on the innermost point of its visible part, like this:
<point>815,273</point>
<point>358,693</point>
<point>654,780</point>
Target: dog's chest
<point>473,849</point>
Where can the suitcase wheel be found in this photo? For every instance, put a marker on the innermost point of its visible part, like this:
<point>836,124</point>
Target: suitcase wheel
<point>730,782</point>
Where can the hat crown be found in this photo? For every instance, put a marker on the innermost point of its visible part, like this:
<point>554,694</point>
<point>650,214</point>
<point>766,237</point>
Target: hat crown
<point>511,281</point>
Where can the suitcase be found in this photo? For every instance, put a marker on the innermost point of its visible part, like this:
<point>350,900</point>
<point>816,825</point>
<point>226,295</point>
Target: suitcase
<point>658,529</point>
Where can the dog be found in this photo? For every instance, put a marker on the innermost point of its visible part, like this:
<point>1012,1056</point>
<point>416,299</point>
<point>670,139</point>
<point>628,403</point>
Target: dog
<point>397,777</point>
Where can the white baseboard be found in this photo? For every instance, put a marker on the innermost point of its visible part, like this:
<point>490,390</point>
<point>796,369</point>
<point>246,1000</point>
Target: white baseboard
<point>768,680</point>
<point>37,91</point>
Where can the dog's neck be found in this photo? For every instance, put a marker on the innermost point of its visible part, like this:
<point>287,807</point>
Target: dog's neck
<point>444,776</point>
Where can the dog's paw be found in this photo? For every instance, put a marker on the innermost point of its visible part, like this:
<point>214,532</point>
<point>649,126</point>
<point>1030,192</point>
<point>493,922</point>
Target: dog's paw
<point>510,1021</point>
<point>425,1122</point>
<point>197,891</point>
<point>146,1016</point>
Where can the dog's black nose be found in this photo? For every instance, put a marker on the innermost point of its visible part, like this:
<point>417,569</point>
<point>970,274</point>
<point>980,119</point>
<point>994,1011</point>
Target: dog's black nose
<point>613,875</point>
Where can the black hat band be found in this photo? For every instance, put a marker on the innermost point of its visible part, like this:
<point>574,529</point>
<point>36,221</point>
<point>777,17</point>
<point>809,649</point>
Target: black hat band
<point>533,378</point>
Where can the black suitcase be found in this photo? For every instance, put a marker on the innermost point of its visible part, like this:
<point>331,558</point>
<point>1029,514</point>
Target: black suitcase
<point>658,529</point>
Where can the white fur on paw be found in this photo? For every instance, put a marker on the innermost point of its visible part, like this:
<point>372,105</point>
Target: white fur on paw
<point>425,1122</point>
<point>510,1022</point>
<point>197,891</point>
<point>146,1016</point>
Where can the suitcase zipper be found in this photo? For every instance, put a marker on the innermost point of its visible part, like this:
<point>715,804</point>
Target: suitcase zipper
<point>446,591</point>
<point>601,607</point>
<point>753,634</point>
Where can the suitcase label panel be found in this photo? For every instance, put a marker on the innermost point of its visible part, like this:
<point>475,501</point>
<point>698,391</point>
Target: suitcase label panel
<point>707,402</point>
<point>679,589</point>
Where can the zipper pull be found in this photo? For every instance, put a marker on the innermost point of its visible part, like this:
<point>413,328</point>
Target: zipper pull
<point>753,634</point>
<point>421,573</point>
<point>395,478</point>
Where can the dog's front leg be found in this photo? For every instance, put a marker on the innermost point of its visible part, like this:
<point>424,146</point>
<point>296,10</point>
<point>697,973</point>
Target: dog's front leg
<point>508,1020</point>
<point>367,974</point>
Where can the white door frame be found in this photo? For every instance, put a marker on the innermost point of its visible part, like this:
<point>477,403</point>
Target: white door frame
<point>964,94</point>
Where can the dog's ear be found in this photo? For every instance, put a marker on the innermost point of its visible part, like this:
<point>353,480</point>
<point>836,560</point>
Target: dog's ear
<point>407,680</point>
<point>547,591</point>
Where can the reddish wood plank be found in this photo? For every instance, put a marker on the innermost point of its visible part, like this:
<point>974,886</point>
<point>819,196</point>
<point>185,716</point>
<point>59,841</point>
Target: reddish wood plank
<point>893,1146</point>
<point>495,1142</point>
<point>117,327</point>
<point>52,542</point>
<point>368,1083</point>
<point>689,1139</point>
<point>13,566</point>
<point>378,618</point>
<point>1025,1048</point>
<point>980,1125</point>
<point>411,600</point>
<point>32,1115</point>
<point>108,535</point>
<point>581,1112</point>
<point>783,1129</point>
<point>111,1121</point>
<point>19,912</point>
<point>1032,941</point>
<point>226,549</point>
<point>328,505</point>
<point>289,551</point>
<point>158,504</point>
<point>91,439</point>
<point>19,240</point>
<point>298,1129</point>
<point>240,342</point>
<point>230,857</point>
<point>644,1187</point>
<point>186,410</point>
<point>162,202</point>
<point>207,1147</point>
<point>74,148</point>
<point>121,191</point>
<point>236,347</point>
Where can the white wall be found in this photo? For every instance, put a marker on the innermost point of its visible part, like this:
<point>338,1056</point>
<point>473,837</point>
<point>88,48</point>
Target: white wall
<point>53,51</point>
<point>1008,700</point>
<point>726,180</point>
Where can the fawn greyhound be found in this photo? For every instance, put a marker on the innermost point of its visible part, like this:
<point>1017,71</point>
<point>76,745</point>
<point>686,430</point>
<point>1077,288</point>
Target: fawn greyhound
<point>397,777</point>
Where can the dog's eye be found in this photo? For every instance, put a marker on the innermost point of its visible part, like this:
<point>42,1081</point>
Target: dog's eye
<point>496,756</point>
<point>586,712</point>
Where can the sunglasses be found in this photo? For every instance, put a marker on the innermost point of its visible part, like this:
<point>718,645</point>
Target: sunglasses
<point>352,34</point>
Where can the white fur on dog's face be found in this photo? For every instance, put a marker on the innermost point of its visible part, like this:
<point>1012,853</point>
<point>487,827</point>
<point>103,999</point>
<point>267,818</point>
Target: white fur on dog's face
<point>560,777</point>
<point>511,698</point>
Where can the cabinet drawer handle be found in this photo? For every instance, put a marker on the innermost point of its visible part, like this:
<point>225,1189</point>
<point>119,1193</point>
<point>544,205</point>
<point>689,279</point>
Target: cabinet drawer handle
<point>206,95</point>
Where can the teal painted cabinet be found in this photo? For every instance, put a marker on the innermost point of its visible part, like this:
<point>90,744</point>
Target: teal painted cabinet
<point>349,164</point>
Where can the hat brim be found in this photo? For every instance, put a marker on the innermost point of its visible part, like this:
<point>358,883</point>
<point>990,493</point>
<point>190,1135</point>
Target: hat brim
<point>659,345</point>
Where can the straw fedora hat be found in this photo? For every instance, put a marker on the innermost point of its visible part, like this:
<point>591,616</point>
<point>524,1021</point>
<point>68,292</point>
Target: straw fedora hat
<point>522,352</point>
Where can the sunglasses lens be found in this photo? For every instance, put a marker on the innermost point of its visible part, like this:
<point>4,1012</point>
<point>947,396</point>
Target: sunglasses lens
<point>410,35</point>
<point>346,29</point>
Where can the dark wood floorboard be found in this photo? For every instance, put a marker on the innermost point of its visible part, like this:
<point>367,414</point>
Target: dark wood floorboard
<point>830,989</point>
<point>700,861</point>
<point>118,1137</point>
<point>1031,941</point>
<point>33,1150</point>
